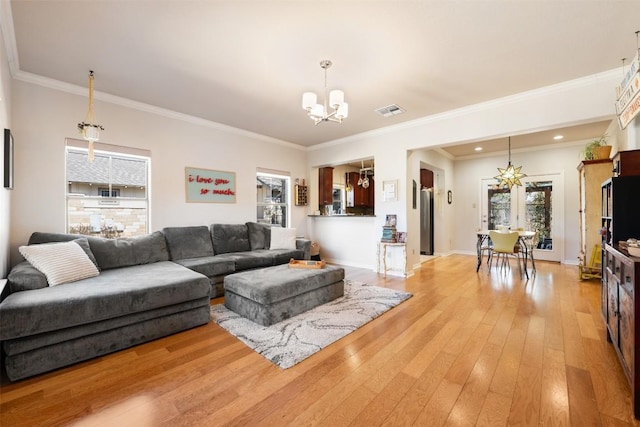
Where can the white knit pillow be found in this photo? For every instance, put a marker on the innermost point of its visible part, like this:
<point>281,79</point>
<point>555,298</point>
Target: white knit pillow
<point>60,262</point>
<point>283,238</point>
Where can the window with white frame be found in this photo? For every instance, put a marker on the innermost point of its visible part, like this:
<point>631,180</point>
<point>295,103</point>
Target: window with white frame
<point>273,198</point>
<point>108,196</point>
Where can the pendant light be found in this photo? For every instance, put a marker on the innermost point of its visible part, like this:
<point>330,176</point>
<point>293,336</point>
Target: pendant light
<point>510,175</point>
<point>90,130</point>
<point>334,108</point>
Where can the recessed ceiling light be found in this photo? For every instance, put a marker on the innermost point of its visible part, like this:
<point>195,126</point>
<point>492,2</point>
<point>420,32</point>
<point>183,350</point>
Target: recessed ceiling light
<point>557,137</point>
<point>478,148</point>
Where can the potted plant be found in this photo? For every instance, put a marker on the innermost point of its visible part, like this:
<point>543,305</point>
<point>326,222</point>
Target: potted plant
<point>597,149</point>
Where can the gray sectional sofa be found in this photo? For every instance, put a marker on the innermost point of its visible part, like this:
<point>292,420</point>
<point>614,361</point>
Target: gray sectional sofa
<point>148,287</point>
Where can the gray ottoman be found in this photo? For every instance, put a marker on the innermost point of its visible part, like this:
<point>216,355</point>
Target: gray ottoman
<point>270,295</point>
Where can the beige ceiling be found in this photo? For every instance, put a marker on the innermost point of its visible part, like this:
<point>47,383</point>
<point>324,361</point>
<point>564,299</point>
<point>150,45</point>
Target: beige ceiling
<point>246,63</point>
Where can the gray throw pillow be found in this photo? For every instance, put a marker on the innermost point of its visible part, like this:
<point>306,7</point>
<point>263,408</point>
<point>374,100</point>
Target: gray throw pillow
<point>188,242</point>
<point>259,235</point>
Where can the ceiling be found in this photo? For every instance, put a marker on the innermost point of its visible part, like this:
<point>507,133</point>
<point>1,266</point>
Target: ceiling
<point>246,64</point>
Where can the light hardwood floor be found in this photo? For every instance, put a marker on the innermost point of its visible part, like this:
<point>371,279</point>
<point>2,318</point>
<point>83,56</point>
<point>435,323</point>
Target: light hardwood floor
<point>469,348</point>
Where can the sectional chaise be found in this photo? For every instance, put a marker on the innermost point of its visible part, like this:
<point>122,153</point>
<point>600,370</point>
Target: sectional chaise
<point>136,289</point>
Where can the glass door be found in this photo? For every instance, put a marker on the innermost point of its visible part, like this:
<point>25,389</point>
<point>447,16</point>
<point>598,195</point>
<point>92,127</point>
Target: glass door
<point>535,206</point>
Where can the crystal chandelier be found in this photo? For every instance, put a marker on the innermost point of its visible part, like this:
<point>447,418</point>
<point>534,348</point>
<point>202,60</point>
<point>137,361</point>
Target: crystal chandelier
<point>510,175</point>
<point>334,100</point>
<point>89,130</point>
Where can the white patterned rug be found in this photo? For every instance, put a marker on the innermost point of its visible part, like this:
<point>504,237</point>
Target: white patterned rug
<point>293,340</point>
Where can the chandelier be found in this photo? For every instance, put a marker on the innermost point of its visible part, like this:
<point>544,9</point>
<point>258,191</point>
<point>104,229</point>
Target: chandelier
<point>334,100</point>
<point>510,175</point>
<point>89,130</point>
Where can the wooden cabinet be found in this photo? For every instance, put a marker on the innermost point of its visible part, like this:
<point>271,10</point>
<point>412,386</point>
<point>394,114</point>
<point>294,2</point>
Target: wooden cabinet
<point>592,173</point>
<point>301,195</point>
<point>620,204</point>
<point>620,303</point>
<point>626,163</point>
<point>426,178</point>
<point>325,187</point>
<point>362,197</point>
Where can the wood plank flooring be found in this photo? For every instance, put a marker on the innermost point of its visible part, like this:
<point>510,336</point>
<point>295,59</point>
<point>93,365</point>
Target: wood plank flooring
<point>486,349</point>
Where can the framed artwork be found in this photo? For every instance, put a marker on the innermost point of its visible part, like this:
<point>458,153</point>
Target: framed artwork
<point>402,236</point>
<point>390,190</point>
<point>415,191</point>
<point>209,186</point>
<point>391,220</point>
<point>8,159</point>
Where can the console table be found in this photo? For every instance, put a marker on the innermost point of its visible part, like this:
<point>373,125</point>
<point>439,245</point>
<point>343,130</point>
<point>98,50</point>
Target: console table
<point>383,248</point>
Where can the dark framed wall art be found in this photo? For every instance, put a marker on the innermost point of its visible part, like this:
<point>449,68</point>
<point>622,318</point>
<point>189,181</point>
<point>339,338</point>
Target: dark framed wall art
<point>8,159</point>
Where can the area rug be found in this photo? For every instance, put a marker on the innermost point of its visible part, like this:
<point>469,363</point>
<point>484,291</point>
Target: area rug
<point>291,341</point>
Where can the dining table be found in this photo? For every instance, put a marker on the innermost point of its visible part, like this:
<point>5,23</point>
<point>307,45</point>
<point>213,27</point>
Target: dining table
<point>524,237</point>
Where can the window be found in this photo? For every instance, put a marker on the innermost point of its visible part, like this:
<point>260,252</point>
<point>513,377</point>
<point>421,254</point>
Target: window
<point>107,197</point>
<point>273,199</point>
<point>104,192</point>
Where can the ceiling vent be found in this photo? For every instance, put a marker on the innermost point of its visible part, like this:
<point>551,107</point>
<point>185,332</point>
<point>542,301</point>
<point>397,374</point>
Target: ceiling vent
<point>390,110</point>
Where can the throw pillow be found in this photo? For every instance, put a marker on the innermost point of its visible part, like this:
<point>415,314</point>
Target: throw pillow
<point>283,238</point>
<point>60,262</point>
<point>259,235</point>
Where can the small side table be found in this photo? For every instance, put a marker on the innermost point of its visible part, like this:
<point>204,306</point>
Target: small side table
<point>382,250</point>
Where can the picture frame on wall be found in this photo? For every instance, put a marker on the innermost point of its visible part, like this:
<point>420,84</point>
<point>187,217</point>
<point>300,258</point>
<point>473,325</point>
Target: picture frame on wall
<point>8,159</point>
<point>209,186</point>
<point>390,190</point>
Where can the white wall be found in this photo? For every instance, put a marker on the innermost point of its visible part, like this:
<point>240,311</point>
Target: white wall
<point>560,159</point>
<point>582,100</point>
<point>44,117</point>
<point>5,195</point>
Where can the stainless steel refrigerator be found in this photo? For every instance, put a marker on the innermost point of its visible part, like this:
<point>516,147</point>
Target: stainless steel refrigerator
<point>426,222</point>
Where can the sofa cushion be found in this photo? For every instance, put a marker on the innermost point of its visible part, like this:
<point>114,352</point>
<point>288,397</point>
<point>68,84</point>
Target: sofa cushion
<point>125,252</point>
<point>283,256</point>
<point>283,238</point>
<point>25,277</point>
<point>230,238</point>
<point>210,266</point>
<point>62,262</point>
<point>188,242</point>
<point>259,235</point>
<point>248,260</point>
<point>115,292</point>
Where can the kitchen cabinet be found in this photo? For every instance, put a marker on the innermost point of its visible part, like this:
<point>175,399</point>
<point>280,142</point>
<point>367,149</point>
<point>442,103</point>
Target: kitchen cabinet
<point>325,187</point>
<point>426,178</point>
<point>362,197</point>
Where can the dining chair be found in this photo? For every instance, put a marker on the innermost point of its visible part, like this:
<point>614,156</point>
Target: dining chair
<point>485,246</point>
<point>531,245</point>
<point>505,244</point>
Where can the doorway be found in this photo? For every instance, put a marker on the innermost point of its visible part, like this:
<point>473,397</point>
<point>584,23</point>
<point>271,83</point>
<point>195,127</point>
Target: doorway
<point>426,201</point>
<point>537,205</point>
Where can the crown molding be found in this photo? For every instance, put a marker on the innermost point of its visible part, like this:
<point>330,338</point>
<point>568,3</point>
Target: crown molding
<point>612,74</point>
<point>9,35</point>
<point>141,106</point>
